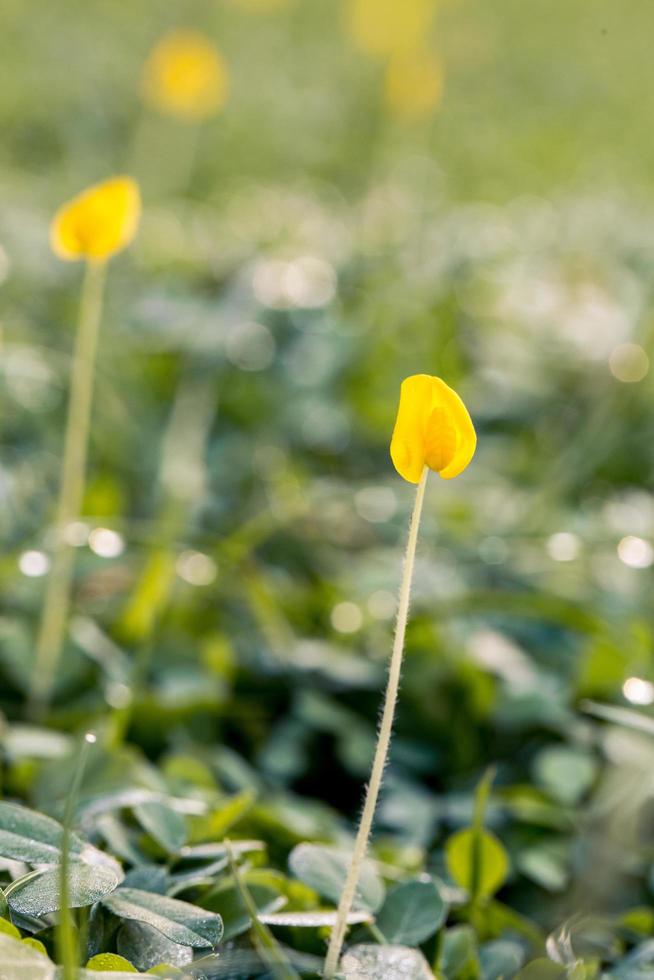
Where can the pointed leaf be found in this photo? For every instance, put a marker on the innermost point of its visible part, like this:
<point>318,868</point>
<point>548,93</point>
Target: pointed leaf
<point>146,947</point>
<point>493,861</point>
<point>311,920</point>
<point>164,824</point>
<point>28,836</point>
<point>325,869</point>
<point>182,923</point>
<point>39,894</point>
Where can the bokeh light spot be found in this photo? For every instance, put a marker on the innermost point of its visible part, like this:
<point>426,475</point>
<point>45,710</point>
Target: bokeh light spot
<point>638,691</point>
<point>346,617</point>
<point>196,568</point>
<point>635,552</point>
<point>563,546</point>
<point>34,564</point>
<point>106,543</point>
<point>629,363</point>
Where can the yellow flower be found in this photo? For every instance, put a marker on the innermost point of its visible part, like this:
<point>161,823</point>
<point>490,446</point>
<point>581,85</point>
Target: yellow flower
<point>185,75</point>
<point>98,222</point>
<point>263,6</point>
<point>380,27</point>
<point>433,428</point>
<point>414,83</point>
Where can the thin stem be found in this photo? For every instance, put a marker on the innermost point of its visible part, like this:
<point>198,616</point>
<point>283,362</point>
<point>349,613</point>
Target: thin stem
<point>66,943</point>
<point>265,943</point>
<point>56,603</point>
<point>383,741</point>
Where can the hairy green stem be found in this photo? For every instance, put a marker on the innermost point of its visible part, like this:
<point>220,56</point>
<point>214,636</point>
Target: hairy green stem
<point>383,742</point>
<point>56,603</point>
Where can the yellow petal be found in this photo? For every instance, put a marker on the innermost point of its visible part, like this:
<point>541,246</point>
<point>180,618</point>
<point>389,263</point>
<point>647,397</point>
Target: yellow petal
<point>466,435</point>
<point>186,76</point>
<point>98,222</point>
<point>433,428</point>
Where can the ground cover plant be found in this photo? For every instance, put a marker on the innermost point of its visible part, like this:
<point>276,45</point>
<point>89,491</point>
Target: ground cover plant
<point>203,517</point>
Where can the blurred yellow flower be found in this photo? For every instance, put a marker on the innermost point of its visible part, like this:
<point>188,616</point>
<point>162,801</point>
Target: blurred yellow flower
<point>263,6</point>
<point>433,428</point>
<point>99,222</point>
<point>186,76</point>
<point>380,27</point>
<point>414,83</point>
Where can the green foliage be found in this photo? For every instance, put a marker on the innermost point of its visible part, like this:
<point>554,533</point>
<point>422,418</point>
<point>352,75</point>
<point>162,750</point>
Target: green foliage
<point>325,869</point>
<point>180,922</point>
<point>9,929</point>
<point>163,824</point>
<point>411,913</point>
<point>380,962</point>
<point>110,963</point>
<point>38,893</point>
<point>298,256</point>
<point>26,835</point>
<point>477,861</point>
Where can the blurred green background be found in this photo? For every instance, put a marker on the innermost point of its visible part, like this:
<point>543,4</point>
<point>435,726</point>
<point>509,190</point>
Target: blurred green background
<point>301,253</point>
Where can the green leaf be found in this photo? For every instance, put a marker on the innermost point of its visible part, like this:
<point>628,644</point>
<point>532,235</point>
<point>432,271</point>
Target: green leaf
<point>382,962</point>
<point>35,944</point>
<point>235,916</point>
<point>146,947</point>
<point>215,825</point>
<point>28,836</point>
<point>547,864</point>
<point>566,773</point>
<point>310,920</point>
<point>39,894</point>
<point>148,878</point>
<point>500,959</point>
<point>263,940</point>
<point>493,861</point>
<point>110,963</point>
<point>182,923</point>
<point>30,742</point>
<point>198,852</point>
<point>411,913</point>
<point>541,969</point>
<point>325,869</point>
<point>458,955</point>
<point>9,929</point>
<point>165,825</point>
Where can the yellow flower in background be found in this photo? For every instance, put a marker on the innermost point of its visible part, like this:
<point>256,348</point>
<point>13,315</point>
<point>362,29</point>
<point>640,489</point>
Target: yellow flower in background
<point>263,6</point>
<point>186,76</point>
<point>433,428</point>
<point>98,222</point>
<point>381,27</point>
<point>414,83</point>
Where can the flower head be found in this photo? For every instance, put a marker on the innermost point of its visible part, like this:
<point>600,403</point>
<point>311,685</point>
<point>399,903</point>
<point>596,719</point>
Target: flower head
<point>414,83</point>
<point>99,222</point>
<point>380,27</point>
<point>186,76</point>
<point>433,428</point>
